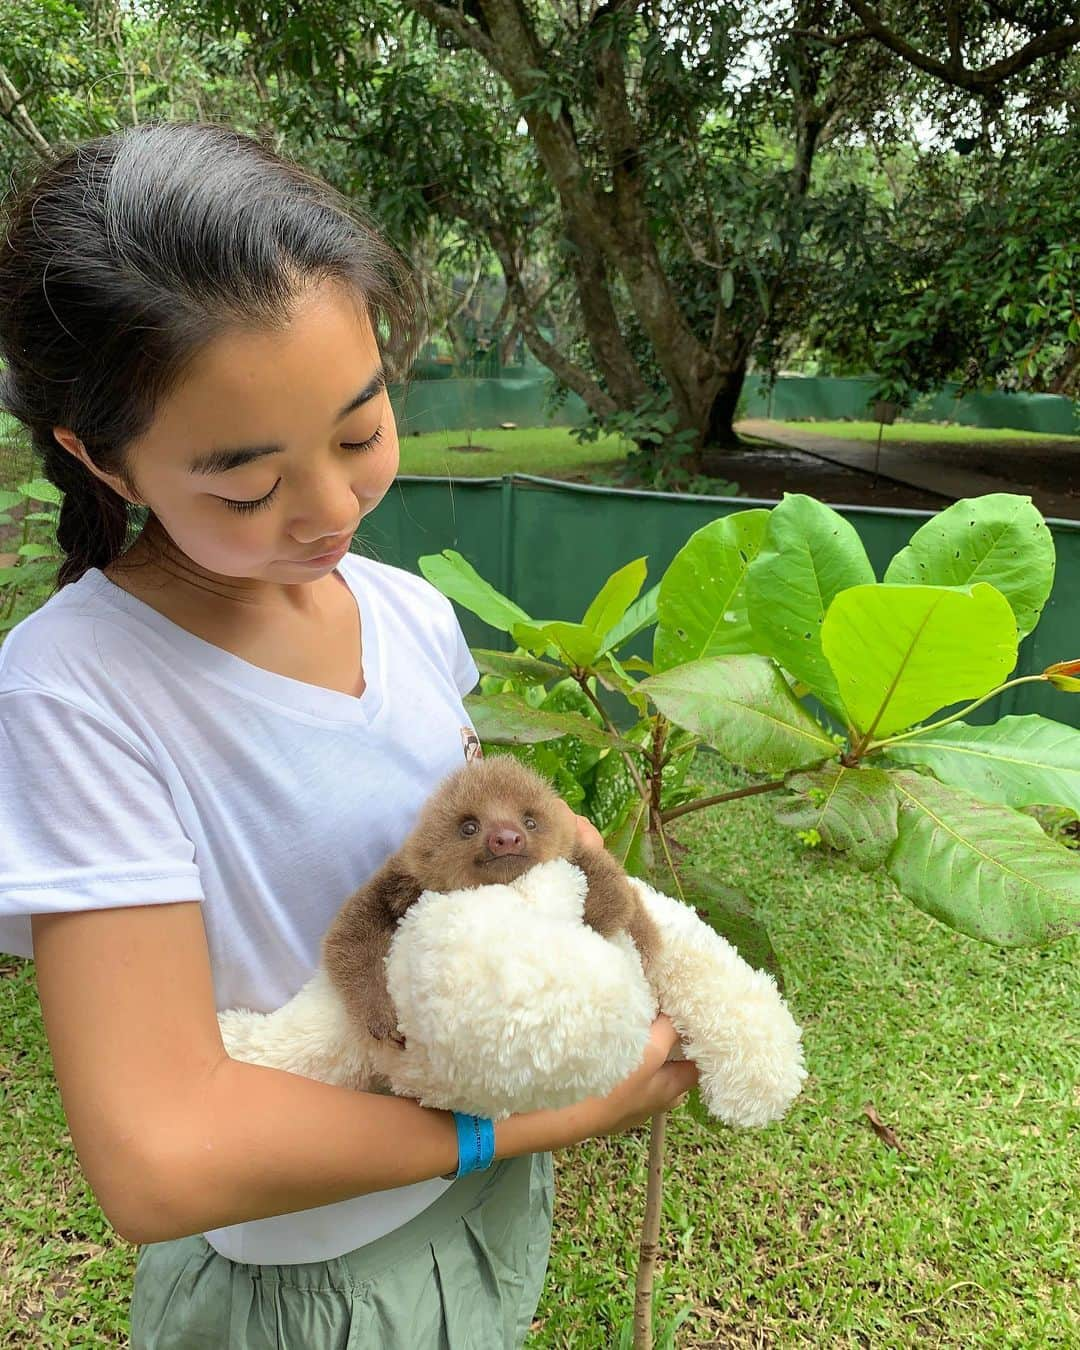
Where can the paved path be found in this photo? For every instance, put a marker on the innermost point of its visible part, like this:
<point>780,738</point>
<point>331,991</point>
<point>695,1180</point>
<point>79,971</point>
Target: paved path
<point>930,471</point>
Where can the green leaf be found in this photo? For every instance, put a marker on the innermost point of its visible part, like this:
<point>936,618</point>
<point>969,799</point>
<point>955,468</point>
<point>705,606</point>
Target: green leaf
<point>578,645</point>
<point>901,652</point>
<point>506,719</point>
<point>851,809</point>
<point>701,606</point>
<point>9,499</point>
<point>743,706</point>
<point>515,666</point>
<point>1019,761</point>
<point>640,615</point>
<point>627,839</point>
<point>981,868</point>
<point>811,554</point>
<point>999,538</point>
<point>36,551</point>
<point>729,913</point>
<point>41,490</point>
<point>456,577</point>
<point>615,597</point>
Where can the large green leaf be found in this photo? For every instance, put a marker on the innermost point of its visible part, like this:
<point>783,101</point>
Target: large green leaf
<point>456,577</point>
<point>506,719</point>
<point>640,615</point>
<point>576,644</point>
<point>981,868</point>
<point>811,555</point>
<point>901,652</point>
<point>851,809</point>
<point>615,597</point>
<point>1019,761</point>
<point>1000,538</point>
<point>743,706</point>
<point>515,666</point>
<point>701,608</point>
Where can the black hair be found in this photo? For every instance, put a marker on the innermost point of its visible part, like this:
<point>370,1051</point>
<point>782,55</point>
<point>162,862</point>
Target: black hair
<point>120,260</point>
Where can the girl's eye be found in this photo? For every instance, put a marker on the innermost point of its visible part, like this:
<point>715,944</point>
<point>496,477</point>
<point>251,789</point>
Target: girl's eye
<point>259,502</point>
<point>256,505</point>
<point>373,440</point>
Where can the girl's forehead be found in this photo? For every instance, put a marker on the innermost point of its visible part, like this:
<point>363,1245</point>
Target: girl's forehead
<point>252,386</point>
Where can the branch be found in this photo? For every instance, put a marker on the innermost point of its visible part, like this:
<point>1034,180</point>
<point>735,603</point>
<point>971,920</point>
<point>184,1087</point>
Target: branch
<point>13,111</point>
<point>982,81</point>
<point>452,19</point>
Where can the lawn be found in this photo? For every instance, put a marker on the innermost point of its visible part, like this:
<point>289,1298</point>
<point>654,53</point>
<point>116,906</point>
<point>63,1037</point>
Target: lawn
<point>931,432</point>
<point>812,1232</point>
<point>544,451</point>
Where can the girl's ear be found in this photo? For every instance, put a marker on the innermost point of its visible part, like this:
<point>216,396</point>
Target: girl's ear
<point>74,446</point>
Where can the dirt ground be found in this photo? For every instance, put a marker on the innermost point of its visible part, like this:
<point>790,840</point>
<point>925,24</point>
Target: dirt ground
<point>1021,466</point>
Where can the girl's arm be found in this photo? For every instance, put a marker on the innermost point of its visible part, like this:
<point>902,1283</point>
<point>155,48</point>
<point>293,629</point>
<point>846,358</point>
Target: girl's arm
<point>174,1137</point>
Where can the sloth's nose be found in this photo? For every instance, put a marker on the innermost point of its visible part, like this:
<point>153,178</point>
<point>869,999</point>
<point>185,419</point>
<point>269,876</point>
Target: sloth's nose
<point>504,840</point>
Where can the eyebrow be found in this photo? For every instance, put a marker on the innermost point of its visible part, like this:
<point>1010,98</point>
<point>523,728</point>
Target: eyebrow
<point>221,461</point>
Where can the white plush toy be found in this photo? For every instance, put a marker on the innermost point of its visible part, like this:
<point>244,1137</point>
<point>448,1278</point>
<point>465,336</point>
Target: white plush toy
<point>508,1002</point>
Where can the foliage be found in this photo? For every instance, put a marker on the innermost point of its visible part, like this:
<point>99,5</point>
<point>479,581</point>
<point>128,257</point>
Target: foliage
<point>37,555</point>
<point>764,610</point>
<point>670,192</point>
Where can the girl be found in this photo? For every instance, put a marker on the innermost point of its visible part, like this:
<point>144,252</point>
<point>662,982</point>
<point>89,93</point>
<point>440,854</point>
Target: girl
<point>210,735</point>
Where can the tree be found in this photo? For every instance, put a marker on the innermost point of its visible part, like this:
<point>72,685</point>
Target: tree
<point>659,159</point>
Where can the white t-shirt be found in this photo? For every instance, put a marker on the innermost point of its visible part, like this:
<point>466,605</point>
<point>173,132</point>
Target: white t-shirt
<point>140,764</point>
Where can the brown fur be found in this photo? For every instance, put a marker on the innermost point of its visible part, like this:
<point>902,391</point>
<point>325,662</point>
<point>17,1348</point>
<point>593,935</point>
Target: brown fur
<point>443,852</point>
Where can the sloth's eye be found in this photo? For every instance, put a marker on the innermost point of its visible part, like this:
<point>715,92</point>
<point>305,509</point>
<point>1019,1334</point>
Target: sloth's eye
<point>530,824</point>
<point>469,827</point>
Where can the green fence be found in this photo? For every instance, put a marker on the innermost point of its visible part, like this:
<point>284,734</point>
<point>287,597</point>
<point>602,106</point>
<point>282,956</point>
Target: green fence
<point>440,404</point>
<point>832,397</point>
<point>550,546</point>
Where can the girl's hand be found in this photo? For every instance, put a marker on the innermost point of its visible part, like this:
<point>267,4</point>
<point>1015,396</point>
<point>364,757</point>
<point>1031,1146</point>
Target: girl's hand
<point>588,836</point>
<point>656,1086</point>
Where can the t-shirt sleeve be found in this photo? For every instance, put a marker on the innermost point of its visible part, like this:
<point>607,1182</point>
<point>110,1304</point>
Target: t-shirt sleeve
<point>86,819</point>
<point>464,667</point>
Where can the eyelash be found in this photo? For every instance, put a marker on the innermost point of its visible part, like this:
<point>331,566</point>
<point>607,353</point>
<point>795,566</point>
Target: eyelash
<point>245,508</point>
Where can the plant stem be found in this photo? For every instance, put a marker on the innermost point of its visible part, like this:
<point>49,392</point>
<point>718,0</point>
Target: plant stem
<point>921,731</point>
<point>583,680</point>
<point>702,802</point>
<point>650,1236</point>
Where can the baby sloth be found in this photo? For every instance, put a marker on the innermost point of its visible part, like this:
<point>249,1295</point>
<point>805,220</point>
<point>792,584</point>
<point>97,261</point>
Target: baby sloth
<point>488,822</point>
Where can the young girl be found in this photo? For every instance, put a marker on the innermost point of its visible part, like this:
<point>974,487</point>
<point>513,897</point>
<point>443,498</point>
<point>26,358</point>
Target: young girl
<point>210,736</point>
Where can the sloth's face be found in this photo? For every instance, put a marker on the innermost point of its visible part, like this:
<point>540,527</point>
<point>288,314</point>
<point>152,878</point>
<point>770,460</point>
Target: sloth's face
<point>491,822</point>
<point>499,840</point>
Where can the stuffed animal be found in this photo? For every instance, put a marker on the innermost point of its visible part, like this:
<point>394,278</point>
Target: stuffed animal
<point>507,1001</point>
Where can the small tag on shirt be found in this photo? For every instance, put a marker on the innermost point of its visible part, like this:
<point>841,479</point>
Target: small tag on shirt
<point>470,743</point>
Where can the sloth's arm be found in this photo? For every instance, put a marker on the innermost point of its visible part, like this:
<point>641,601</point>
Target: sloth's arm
<point>611,904</point>
<point>358,941</point>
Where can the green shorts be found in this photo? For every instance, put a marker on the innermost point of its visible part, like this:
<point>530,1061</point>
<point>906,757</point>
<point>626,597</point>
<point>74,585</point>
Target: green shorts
<point>464,1274</point>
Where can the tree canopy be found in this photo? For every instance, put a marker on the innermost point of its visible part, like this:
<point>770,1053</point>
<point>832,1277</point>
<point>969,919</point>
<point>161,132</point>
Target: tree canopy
<point>671,191</point>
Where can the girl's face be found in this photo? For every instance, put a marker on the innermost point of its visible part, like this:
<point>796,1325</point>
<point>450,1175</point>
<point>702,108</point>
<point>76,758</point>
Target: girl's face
<point>273,446</point>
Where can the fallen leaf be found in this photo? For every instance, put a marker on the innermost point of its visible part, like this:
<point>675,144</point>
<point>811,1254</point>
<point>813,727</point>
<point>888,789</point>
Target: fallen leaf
<point>884,1132</point>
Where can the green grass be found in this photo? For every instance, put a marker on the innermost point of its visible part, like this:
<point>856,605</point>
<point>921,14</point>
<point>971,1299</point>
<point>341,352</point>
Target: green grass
<point>809,1233</point>
<point>544,451</point>
<point>927,431</point>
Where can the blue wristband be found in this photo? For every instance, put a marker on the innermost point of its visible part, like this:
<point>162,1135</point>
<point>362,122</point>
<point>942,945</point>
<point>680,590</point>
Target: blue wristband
<point>476,1143</point>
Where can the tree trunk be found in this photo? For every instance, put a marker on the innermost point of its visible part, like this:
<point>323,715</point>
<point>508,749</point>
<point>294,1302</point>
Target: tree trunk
<point>719,434</point>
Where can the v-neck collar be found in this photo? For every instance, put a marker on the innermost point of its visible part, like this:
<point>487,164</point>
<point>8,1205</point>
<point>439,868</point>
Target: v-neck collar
<point>297,695</point>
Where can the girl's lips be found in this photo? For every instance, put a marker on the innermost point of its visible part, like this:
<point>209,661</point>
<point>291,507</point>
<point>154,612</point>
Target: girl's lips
<point>325,558</point>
